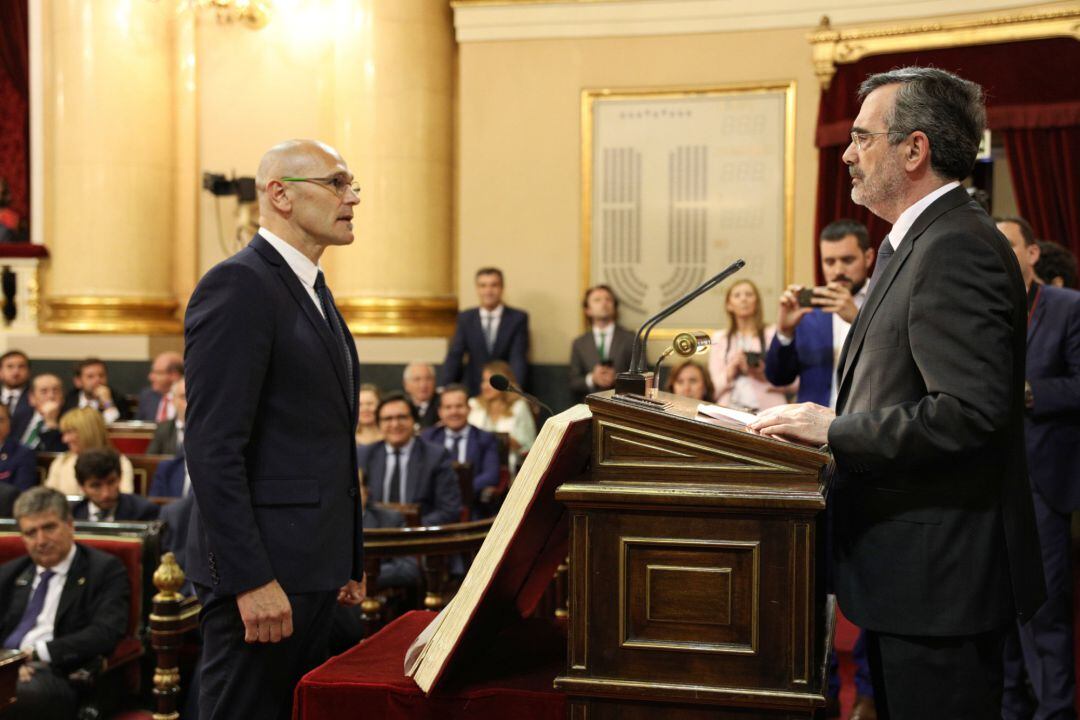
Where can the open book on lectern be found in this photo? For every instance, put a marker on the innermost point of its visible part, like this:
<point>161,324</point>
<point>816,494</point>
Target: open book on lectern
<point>521,553</point>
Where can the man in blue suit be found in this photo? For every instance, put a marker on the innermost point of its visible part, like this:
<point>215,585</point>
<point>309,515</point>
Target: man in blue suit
<point>1043,648</point>
<point>171,478</point>
<point>272,382</point>
<point>492,331</point>
<point>464,442</point>
<point>17,464</point>
<point>98,474</point>
<point>408,469</point>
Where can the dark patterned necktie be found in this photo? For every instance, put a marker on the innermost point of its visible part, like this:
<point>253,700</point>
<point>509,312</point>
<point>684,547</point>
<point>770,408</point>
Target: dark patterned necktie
<point>330,311</point>
<point>393,494</point>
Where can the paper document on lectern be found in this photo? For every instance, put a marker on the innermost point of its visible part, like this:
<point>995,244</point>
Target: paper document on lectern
<point>521,553</point>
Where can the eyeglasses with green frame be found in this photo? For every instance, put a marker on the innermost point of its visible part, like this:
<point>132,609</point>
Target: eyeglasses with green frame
<point>335,183</point>
<point>859,138</point>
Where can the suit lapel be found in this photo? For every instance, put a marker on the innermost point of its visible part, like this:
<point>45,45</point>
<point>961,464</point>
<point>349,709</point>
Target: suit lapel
<point>73,587</point>
<point>20,596</point>
<point>476,328</point>
<point>318,322</point>
<point>378,473</point>
<point>1036,316</point>
<point>412,483</point>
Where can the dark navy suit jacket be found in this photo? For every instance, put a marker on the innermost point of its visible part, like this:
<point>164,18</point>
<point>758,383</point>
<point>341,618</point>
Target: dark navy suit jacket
<point>23,412</point>
<point>430,482</point>
<point>149,399</point>
<point>269,436</point>
<point>481,451</point>
<point>1053,370</point>
<point>18,465</point>
<point>129,507</point>
<point>168,480</point>
<point>809,357</point>
<point>511,345</point>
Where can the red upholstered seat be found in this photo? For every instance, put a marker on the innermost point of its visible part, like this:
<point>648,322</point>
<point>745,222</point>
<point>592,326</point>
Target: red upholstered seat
<point>512,679</point>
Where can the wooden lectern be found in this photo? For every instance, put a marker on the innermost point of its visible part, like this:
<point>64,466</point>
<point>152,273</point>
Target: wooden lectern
<point>696,569</point>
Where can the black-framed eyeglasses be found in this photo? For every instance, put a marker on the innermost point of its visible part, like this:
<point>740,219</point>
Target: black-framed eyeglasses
<point>335,183</point>
<point>858,138</point>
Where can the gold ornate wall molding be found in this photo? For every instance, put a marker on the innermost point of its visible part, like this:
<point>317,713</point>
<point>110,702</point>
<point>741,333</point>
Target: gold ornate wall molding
<point>832,47</point>
<point>399,317</point>
<point>111,315</point>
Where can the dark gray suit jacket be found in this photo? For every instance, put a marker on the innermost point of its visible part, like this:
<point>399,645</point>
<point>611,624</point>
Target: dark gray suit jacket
<point>934,527</point>
<point>584,356</point>
<point>164,440</point>
<point>430,482</point>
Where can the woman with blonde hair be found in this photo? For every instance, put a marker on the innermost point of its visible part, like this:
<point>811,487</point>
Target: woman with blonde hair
<point>367,426</point>
<point>737,357</point>
<point>503,412</point>
<point>83,429</point>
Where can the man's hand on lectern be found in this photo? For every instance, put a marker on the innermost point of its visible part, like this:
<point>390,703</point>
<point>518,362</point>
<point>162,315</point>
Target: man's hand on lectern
<point>266,612</point>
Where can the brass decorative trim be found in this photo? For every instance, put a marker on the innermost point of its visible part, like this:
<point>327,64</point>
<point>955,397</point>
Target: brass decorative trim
<point>399,316</point>
<point>111,315</point>
<point>832,47</point>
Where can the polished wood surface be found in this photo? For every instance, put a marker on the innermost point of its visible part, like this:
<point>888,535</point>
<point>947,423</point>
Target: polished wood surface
<point>696,580</point>
<point>10,662</point>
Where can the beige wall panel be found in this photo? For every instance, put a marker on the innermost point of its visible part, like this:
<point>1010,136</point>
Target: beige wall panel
<point>520,166</point>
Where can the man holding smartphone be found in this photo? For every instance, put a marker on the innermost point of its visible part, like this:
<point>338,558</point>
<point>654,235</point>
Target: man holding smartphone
<point>811,326</point>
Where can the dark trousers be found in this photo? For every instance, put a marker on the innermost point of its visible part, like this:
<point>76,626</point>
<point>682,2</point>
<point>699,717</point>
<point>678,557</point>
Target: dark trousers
<point>936,678</point>
<point>1042,650</point>
<point>256,680</point>
<point>46,696</point>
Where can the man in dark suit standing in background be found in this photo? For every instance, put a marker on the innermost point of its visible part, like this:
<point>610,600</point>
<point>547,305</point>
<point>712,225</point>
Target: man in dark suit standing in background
<point>1043,649</point>
<point>492,331</point>
<point>602,352</point>
<point>934,538</point>
<point>408,469</point>
<point>272,383</point>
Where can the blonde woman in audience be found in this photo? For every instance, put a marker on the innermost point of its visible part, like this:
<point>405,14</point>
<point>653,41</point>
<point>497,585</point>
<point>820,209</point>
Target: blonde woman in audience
<point>737,356</point>
<point>367,427</point>
<point>690,380</point>
<point>503,412</point>
<point>83,429</point>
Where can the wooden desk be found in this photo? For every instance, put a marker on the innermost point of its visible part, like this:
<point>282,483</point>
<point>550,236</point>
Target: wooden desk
<point>10,662</point>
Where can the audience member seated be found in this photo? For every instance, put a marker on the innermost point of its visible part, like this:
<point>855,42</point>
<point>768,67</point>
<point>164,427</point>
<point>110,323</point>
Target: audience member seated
<point>598,355</point>
<point>18,466</point>
<point>1056,265</point>
<point>98,473</point>
<point>504,412</point>
<point>367,426</point>
<point>59,640</point>
<point>43,430</point>
<point>8,495</point>
<point>83,429</point>
<point>492,331</point>
<point>171,479</point>
<point>736,361</point>
<point>464,442</point>
<point>419,383</point>
<point>14,389</point>
<point>155,403</point>
<point>407,469</point>
<point>92,390</point>
<point>394,573</point>
<point>690,380</point>
<point>169,434</point>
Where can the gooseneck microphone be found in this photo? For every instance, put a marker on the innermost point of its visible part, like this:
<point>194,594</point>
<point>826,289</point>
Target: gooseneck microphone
<point>503,384</point>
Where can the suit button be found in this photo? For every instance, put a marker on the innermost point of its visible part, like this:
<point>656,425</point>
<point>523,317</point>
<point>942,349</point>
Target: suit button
<point>352,492</point>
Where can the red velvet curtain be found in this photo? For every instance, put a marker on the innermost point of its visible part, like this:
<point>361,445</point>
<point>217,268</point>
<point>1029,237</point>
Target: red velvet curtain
<point>1036,111</point>
<point>14,102</point>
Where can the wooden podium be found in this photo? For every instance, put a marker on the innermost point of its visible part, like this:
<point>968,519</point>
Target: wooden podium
<point>696,570</point>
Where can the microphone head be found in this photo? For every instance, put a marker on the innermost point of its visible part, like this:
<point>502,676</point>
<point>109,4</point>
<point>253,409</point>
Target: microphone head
<point>500,383</point>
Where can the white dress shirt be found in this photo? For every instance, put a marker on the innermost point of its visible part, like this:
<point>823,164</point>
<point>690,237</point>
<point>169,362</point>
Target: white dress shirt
<point>908,217</point>
<point>840,328</point>
<point>109,415</point>
<point>301,264</point>
<point>608,334</point>
<point>10,397</point>
<point>42,632</point>
<point>405,450</point>
<point>96,514</point>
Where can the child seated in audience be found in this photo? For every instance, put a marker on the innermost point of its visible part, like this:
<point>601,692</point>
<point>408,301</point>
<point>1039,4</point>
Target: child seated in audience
<point>98,474</point>
<point>690,380</point>
<point>83,429</point>
<point>367,426</point>
<point>503,412</point>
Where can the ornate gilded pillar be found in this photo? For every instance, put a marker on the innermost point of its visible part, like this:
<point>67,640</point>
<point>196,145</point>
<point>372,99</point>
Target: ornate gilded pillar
<point>109,166</point>
<point>394,125</point>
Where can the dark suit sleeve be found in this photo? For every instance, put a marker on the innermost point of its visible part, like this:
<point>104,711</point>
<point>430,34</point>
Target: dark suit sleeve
<point>450,372</point>
<point>52,441</point>
<point>143,509</point>
<point>1060,396</point>
<point>579,370</point>
<point>108,619</point>
<point>8,495</point>
<point>444,485</point>
<point>782,362</point>
<point>157,443</point>
<point>960,324</point>
<point>121,404</point>
<point>519,351</point>
<point>229,315</point>
<point>487,474</point>
<point>24,475</point>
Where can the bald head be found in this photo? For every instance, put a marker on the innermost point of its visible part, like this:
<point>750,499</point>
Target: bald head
<point>314,208</point>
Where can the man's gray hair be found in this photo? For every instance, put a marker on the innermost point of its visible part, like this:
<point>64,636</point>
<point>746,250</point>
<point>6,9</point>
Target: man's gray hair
<point>948,108</point>
<point>42,499</point>
<point>416,365</point>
